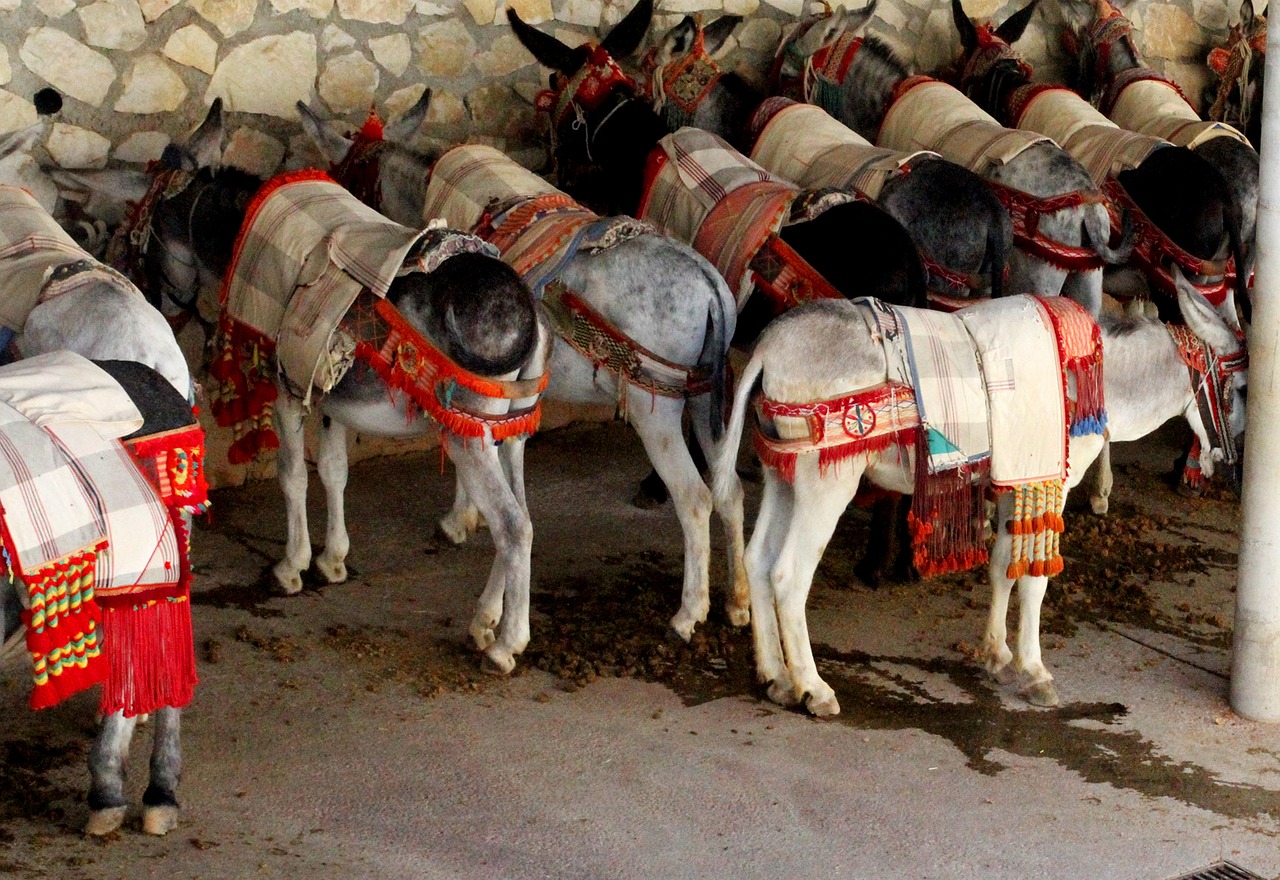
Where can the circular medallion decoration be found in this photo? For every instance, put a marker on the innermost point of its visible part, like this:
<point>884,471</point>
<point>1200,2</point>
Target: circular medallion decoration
<point>859,420</point>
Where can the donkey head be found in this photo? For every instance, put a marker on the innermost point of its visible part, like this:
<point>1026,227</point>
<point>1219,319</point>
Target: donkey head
<point>335,146</point>
<point>988,61</point>
<point>1239,65</point>
<point>684,38</point>
<point>810,35</point>
<point>1226,382</point>
<point>19,168</point>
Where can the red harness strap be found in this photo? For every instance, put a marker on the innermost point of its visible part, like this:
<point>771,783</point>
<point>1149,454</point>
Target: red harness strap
<point>1155,253</point>
<point>786,277</point>
<point>595,81</point>
<point>1026,211</point>
<point>359,171</point>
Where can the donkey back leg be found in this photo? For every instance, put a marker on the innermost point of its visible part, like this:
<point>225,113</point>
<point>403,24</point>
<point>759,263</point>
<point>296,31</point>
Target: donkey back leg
<point>160,800</point>
<point>332,467</point>
<point>106,773</point>
<point>292,467</point>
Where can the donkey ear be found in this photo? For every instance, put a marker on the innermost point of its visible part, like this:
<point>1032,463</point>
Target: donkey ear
<point>680,38</point>
<point>1246,12</point>
<point>714,34</point>
<point>1203,318</point>
<point>1015,25</point>
<point>332,145</point>
<point>403,129</point>
<point>856,18</point>
<point>549,51</point>
<point>968,33</point>
<point>627,34</point>
<point>204,145</point>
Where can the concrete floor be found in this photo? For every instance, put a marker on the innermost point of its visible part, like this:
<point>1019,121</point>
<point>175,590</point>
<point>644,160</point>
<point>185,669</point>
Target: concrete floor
<point>347,732</point>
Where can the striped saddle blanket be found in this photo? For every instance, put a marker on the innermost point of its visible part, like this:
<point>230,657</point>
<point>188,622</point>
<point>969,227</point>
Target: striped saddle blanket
<point>700,190</point>
<point>806,145</point>
<point>92,517</point>
<point>932,115</point>
<point>536,228</point>
<point>1150,104</point>
<point>1102,147</point>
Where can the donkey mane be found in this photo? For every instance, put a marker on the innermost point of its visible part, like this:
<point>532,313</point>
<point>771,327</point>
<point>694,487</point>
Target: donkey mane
<point>880,69</point>
<point>1121,325</point>
<point>1003,77</point>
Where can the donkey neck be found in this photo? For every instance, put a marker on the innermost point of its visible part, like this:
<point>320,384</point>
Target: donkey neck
<point>994,89</point>
<point>617,137</point>
<point>1146,382</point>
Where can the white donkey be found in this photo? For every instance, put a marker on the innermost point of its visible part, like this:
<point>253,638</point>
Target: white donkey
<point>825,351</point>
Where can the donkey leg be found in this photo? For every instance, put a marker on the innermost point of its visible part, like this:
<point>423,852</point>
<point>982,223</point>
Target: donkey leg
<point>1040,690</point>
<point>462,520</point>
<point>292,466</point>
<point>505,598</point>
<point>772,524</point>
<point>1086,289</point>
<point>160,800</point>
<point>995,649</point>
<point>738,602</point>
<point>106,774</point>
<point>1100,498</point>
<point>332,467</point>
<point>657,421</point>
<point>819,502</point>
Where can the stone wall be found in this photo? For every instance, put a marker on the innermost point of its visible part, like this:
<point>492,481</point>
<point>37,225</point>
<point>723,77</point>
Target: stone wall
<point>138,73</point>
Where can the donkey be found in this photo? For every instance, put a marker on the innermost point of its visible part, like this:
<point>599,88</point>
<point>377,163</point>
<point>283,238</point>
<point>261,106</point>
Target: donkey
<point>960,230</point>
<point>72,302</point>
<point>471,308</point>
<point>1061,228</point>
<point>657,294</point>
<point>1240,65</point>
<point>1110,72</point>
<point>1182,207</point>
<point>824,351</point>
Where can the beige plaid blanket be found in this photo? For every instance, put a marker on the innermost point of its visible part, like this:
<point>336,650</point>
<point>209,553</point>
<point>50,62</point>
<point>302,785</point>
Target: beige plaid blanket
<point>1157,108</point>
<point>32,245</point>
<point>806,145</point>
<point>310,249</point>
<point>1102,147</point>
<point>471,179</point>
<point>939,117</point>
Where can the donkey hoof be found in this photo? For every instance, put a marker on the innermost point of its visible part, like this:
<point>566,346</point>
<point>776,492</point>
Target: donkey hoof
<point>159,820</point>
<point>738,615</point>
<point>1043,694</point>
<point>1099,504</point>
<point>481,632</point>
<point>498,661</point>
<point>105,821</point>
<point>684,623</point>
<point>288,578</point>
<point>333,571</point>
<point>823,708</point>
<point>452,531</point>
<point>781,692</point>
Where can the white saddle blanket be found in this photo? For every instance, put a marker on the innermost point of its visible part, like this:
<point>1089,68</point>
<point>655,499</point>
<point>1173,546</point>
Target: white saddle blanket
<point>469,180</point>
<point>314,238</point>
<point>806,145</point>
<point>939,117</point>
<point>1093,140</point>
<point>1157,108</point>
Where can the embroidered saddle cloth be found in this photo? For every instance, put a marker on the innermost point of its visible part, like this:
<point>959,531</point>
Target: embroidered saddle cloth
<point>90,521</point>
<point>536,228</point>
<point>932,115</point>
<point>1102,147</point>
<point>39,260</point>
<point>1156,107</point>
<point>804,144</point>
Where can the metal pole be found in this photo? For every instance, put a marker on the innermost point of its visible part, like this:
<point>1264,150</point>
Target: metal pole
<point>1255,662</point>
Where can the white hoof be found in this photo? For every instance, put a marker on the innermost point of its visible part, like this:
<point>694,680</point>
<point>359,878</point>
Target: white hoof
<point>334,571</point>
<point>159,820</point>
<point>288,578</point>
<point>481,631</point>
<point>781,692</point>
<point>822,706</point>
<point>102,822</point>
<point>1099,504</point>
<point>453,529</point>
<point>500,661</point>
<point>739,615</point>
<point>1042,693</point>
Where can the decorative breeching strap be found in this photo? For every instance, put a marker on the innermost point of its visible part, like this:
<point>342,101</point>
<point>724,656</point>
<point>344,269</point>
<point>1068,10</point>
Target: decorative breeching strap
<point>1211,378</point>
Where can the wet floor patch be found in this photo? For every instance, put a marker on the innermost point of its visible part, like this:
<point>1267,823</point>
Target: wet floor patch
<point>614,623</point>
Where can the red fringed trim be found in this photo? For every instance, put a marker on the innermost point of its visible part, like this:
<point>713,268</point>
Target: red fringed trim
<point>1080,352</point>
<point>64,637</point>
<point>150,657</point>
<point>174,463</point>
<point>781,455</point>
<point>242,393</point>
<point>947,515</point>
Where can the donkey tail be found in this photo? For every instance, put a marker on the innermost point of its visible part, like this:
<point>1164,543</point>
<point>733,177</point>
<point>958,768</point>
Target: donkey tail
<point>999,240</point>
<point>1096,231</point>
<point>724,465</point>
<point>715,347</point>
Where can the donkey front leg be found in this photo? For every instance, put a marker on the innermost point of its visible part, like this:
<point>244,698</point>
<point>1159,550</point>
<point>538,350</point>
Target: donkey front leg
<point>332,467</point>
<point>1100,498</point>
<point>738,602</point>
<point>995,649</point>
<point>292,467</point>
<point>106,773</point>
<point>1039,690</point>
<point>504,605</point>
<point>160,800</point>
<point>657,421</point>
